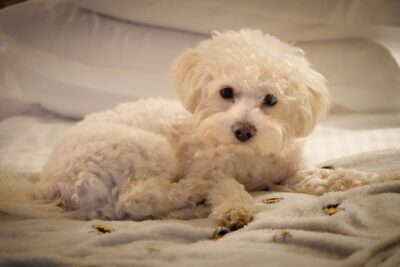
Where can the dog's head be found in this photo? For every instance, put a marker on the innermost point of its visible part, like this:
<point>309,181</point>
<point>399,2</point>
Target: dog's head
<point>248,88</point>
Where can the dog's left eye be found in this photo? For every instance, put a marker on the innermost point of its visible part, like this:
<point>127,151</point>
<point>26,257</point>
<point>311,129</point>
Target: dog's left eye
<point>226,92</point>
<point>270,100</point>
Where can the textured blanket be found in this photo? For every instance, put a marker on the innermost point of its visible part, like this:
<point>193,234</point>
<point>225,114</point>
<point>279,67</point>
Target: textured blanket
<point>359,227</point>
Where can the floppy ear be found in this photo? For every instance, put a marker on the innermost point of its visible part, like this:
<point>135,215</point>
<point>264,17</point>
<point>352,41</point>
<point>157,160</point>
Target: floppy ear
<point>186,76</point>
<point>313,102</point>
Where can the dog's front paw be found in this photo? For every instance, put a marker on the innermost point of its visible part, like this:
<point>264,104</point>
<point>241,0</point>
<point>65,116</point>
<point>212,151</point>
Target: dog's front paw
<point>236,218</point>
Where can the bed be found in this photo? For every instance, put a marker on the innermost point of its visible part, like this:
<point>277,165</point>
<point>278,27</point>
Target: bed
<point>62,60</point>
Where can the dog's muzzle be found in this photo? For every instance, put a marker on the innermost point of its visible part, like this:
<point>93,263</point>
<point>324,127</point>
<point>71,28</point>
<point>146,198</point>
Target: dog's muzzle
<point>243,131</point>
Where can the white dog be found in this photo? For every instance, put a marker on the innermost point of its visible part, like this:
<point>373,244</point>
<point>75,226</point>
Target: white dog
<point>248,100</point>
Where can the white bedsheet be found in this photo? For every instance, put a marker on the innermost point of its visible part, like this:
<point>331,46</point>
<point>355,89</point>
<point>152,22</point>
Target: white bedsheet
<point>27,140</point>
<point>344,135</point>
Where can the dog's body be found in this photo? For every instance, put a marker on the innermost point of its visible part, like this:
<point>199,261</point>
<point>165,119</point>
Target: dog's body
<point>248,100</point>
<point>106,164</point>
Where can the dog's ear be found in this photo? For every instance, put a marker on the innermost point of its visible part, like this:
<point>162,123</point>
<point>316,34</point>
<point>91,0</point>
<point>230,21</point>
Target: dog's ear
<point>313,102</point>
<point>186,76</point>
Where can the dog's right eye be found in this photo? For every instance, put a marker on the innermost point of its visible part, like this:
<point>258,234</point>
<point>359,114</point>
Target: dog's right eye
<point>226,93</point>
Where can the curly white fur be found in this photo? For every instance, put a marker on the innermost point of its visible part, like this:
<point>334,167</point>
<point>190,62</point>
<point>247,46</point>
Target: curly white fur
<point>154,159</point>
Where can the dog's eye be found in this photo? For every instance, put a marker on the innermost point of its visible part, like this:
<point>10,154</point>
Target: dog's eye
<point>226,93</point>
<point>270,100</point>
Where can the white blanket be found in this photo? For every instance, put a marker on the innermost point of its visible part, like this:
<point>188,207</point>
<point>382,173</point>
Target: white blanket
<point>360,227</point>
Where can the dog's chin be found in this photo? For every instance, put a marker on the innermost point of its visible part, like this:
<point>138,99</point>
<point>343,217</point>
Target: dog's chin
<point>269,139</point>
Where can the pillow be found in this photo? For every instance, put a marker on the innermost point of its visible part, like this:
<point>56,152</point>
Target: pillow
<point>362,75</point>
<point>299,20</point>
<point>75,62</point>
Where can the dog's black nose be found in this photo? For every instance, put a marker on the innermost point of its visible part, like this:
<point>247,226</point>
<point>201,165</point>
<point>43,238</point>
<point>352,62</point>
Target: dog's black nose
<point>243,131</point>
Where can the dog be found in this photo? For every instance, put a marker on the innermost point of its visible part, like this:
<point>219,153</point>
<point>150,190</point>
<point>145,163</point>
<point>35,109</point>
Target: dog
<point>247,102</point>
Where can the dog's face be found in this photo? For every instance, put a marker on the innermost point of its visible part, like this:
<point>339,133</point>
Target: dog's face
<point>250,89</point>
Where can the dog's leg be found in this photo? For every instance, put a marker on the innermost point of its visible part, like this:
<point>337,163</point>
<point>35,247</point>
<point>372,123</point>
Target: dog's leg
<point>94,167</point>
<point>320,181</point>
<point>159,198</point>
<point>232,206</point>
